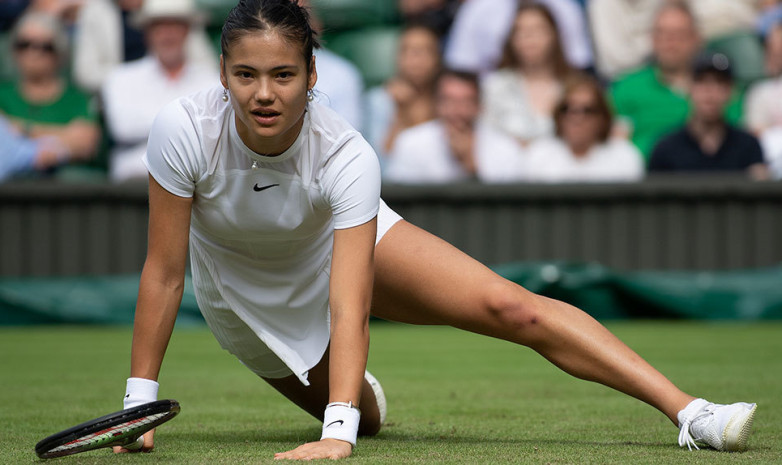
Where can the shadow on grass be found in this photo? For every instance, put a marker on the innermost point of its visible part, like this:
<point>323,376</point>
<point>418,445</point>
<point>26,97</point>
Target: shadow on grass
<point>292,437</point>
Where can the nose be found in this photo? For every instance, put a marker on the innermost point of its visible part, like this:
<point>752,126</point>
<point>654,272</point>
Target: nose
<point>264,93</point>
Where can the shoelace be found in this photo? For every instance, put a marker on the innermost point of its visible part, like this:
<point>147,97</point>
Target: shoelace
<point>684,432</point>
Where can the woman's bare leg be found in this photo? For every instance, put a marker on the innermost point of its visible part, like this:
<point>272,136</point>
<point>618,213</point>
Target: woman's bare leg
<point>422,279</point>
<point>313,398</point>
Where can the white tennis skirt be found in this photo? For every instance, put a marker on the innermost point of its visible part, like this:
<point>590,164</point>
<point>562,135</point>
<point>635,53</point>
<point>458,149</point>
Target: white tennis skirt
<point>236,337</point>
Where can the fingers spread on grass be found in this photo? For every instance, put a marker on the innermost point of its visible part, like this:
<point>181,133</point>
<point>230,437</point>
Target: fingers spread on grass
<point>323,449</point>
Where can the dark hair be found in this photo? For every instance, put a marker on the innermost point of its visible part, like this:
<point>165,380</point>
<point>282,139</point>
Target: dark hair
<point>509,60</point>
<point>582,81</point>
<point>286,17</point>
<point>466,76</point>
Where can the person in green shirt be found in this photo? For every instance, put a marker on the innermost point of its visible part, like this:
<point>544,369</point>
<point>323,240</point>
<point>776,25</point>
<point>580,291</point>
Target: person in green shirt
<point>41,103</point>
<point>652,101</point>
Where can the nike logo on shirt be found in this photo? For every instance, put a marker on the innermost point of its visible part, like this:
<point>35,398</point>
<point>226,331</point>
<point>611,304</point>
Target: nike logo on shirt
<point>258,188</point>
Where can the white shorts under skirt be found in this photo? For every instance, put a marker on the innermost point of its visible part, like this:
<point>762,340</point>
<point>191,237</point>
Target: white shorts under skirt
<point>236,337</point>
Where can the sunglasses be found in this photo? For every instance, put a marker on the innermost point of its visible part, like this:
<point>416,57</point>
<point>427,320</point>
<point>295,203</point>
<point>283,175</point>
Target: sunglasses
<point>22,45</point>
<point>587,110</point>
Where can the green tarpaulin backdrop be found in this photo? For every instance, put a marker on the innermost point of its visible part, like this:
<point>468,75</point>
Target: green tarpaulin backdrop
<point>605,294</point>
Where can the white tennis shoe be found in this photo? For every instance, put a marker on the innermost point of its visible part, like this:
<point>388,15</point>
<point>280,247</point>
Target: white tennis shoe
<point>380,396</point>
<point>723,427</point>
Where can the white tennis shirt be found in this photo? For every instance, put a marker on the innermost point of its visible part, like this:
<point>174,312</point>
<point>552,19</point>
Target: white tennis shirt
<point>261,238</point>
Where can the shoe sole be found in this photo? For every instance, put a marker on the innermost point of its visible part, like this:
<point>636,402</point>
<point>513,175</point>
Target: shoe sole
<point>380,396</point>
<point>737,431</point>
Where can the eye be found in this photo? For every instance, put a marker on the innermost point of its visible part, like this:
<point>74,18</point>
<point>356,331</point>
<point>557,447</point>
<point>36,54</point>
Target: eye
<point>284,75</point>
<point>244,75</point>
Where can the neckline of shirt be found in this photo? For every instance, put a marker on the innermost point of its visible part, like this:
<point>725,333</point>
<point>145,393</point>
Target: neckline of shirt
<point>257,157</point>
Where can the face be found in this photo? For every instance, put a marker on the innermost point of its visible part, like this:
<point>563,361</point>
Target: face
<point>581,121</point>
<point>675,40</point>
<point>774,51</point>
<point>533,38</point>
<point>458,102</point>
<point>166,40</point>
<point>268,90</point>
<point>709,97</point>
<point>418,59</point>
<point>35,52</point>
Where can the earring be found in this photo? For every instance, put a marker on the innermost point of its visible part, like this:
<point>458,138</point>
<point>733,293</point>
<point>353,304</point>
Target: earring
<point>310,95</point>
<point>225,94</point>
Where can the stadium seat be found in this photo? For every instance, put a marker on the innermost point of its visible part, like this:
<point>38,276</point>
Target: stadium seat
<point>372,50</point>
<point>745,52</point>
<point>338,15</point>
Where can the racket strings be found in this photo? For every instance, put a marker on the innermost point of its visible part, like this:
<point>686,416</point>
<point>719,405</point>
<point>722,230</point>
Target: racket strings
<point>110,434</point>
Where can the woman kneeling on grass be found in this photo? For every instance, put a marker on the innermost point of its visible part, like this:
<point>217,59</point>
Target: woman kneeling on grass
<point>280,200</point>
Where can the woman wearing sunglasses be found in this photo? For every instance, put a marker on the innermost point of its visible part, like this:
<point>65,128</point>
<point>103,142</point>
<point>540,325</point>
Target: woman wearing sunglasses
<point>41,103</point>
<point>582,150</point>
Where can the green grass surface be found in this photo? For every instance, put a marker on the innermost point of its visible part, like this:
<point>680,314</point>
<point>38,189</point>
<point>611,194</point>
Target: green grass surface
<point>453,397</point>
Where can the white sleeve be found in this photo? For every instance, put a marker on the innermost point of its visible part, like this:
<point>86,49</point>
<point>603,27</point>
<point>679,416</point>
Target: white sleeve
<point>404,165</point>
<point>351,183</point>
<point>499,157</point>
<point>755,105</point>
<point>174,155</point>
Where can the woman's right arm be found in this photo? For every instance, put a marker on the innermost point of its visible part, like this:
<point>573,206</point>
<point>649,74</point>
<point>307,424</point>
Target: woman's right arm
<point>162,280</point>
<point>159,295</point>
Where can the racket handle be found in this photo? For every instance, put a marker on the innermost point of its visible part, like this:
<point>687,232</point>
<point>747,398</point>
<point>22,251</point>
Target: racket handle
<point>136,444</point>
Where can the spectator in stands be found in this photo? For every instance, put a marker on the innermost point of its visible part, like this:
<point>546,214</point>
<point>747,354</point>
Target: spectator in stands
<point>41,103</point>
<point>436,14</point>
<point>583,150</point>
<point>481,27</point>
<point>707,142</point>
<point>652,101</point>
<point>764,99</point>
<point>770,14</point>
<point>621,32</point>
<point>763,108</point>
<point>340,85</point>
<point>407,99</point>
<point>457,145</point>
<point>135,92</point>
<point>107,35</point>
<point>12,10</point>
<point>718,18</point>
<point>519,98</point>
<point>20,155</point>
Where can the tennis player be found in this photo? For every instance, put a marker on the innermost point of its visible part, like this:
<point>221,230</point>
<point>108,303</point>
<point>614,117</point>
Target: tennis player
<point>291,248</point>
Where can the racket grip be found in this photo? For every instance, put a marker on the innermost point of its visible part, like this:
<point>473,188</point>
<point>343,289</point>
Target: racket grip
<point>137,444</point>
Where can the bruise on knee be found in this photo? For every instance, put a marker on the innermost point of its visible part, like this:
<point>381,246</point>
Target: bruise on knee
<point>512,307</point>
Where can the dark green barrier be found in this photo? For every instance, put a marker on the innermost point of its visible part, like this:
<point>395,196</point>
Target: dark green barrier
<point>80,300</point>
<point>605,294</point>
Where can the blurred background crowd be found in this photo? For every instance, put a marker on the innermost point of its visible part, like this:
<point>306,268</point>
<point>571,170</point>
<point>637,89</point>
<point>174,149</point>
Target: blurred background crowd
<point>445,90</point>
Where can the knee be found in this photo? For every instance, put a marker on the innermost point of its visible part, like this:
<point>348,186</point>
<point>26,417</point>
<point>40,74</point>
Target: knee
<point>512,307</point>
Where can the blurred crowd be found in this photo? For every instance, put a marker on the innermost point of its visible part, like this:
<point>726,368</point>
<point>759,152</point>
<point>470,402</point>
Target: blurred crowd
<point>495,90</point>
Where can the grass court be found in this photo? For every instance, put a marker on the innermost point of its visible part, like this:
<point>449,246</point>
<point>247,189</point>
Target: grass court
<point>454,397</point>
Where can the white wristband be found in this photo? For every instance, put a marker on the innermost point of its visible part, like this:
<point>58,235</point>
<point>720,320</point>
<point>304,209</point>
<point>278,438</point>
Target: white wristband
<point>340,421</point>
<point>140,391</point>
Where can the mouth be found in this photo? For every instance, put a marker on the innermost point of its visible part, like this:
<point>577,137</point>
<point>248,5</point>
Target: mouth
<point>265,116</point>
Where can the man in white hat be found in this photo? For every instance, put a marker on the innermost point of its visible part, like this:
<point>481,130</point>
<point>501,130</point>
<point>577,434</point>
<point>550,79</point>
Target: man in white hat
<point>135,92</point>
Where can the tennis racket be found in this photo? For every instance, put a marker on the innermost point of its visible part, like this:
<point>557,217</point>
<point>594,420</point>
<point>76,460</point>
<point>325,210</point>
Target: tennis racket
<point>116,429</point>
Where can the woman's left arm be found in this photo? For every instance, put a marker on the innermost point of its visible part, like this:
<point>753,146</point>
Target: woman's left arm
<point>350,296</point>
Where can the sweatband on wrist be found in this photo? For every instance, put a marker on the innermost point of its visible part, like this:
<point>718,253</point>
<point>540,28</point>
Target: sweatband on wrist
<point>140,391</point>
<point>340,421</point>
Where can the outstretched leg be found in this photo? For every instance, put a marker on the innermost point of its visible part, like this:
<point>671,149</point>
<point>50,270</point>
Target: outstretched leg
<point>422,279</point>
